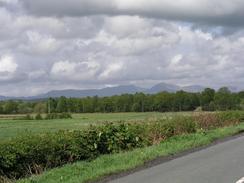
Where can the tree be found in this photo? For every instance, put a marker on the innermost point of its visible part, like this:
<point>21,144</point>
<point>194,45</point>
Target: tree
<point>24,108</point>
<point>1,109</point>
<point>225,100</point>
<point>61,105</point>
<point>124,103</point>
<point>10,107</point>
<point>51,105</point>
<point>139,102</point>
<point>206,97</point>
<point>40,107</point>
<point>163,102</point>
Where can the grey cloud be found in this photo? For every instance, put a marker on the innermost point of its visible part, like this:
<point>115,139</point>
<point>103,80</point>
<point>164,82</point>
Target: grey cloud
<point>6,78</point>
<point>214,12</point>
<point>69,8</point>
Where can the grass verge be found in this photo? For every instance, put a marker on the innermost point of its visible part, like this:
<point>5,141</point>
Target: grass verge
<point>82,172</point>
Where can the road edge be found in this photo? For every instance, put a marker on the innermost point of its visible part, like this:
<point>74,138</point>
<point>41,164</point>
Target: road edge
<point>164,159</point>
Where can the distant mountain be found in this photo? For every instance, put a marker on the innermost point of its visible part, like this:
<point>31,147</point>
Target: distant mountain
<point>233,88</point>
<point>174,88</point>
<point>3,98</point>
<point>120,90</point>
<point>193,88</point>
<point>163,87</point>
<point>109,91</point>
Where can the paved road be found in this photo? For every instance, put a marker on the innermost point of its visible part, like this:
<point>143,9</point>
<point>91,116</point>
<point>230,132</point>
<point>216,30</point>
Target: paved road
<point>223,163</point>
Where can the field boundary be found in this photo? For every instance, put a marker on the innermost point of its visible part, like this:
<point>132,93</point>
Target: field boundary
<point>165,159</point>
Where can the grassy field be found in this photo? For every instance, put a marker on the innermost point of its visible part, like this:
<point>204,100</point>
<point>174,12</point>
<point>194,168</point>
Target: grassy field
<point>10,127</point>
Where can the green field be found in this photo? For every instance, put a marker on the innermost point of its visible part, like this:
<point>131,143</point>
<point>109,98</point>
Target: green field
<point>10,127</point>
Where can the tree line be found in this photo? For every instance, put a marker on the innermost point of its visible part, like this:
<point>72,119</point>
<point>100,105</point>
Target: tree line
<point>208,100</point>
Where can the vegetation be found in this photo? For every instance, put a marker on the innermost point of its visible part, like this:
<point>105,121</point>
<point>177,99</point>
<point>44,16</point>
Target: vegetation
<point>208,100</point>
<point>85,171</point>
<point>30,154</point>
<point>12,126</point>
<point>46,117</point>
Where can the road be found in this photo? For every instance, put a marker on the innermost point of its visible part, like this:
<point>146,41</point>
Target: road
<point>222,163</point>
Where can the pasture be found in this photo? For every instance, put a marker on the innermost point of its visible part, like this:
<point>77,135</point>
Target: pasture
<point>11,127</point>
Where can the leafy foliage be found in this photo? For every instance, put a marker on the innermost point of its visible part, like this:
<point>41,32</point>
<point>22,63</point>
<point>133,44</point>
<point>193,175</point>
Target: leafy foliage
<point>46,117</point>
<point>58,116</point>
<point>208,100</point>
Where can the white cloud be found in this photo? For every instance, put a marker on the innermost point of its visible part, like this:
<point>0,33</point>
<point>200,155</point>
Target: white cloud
<point>9,1</point>
<point>74,71</point>
<point>63,67</point>
<point>111,70</point>
<point>7,64</point>
<point>39,44</point>
<point>126,26</point>
<point>176,59</point>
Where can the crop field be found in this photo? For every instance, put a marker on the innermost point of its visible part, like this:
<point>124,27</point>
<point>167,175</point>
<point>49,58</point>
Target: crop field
<point>11,127</point>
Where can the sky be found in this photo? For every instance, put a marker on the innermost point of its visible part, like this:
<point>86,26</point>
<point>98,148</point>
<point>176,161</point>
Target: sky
<point>80,44</point>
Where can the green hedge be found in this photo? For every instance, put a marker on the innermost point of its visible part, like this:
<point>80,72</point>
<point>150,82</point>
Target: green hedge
<point>46,117</point>
<point>33,154</point>
<point>58,116</point>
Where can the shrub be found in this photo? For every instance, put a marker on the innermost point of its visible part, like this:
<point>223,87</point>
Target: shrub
<point>26,117</point>
<point>159,130</point>
<point>58,116</point>
<point>207,121</point>
<point>220,119</point>
<point>184,124</point>
<point>115,138</point>
<point>47,117</point>
<point>167,128</point>
<point>32,154</point>
<point>65,116</point>
<point>5,180</point>
<point>230,117</point>
<point>38,117</point>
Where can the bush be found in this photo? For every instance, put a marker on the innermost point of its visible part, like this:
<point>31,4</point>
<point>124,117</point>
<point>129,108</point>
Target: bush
<point>230,117</point>
<point>184,125</point>
<point>207,121</point>
<point>38,117</point>
<point>5,180</point>
<point>65,116</point>
<point>163,129</point>
<point>115,138</point>
<point>47,117</point>
<point>215,120</point>
<point>58,116</point>
<point>32,154</point>
<point>26,117</point>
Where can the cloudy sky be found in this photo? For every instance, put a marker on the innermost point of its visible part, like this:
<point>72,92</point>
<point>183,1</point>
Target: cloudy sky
<point>61,44</point>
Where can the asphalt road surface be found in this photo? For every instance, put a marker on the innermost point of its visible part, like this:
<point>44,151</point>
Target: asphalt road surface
<point>222,163</point>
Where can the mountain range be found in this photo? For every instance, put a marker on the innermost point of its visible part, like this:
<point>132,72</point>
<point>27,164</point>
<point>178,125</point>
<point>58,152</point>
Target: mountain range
<point>109,91</point>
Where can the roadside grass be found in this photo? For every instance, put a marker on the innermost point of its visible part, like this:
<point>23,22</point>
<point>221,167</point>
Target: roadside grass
<point>82,172</point>
<point>10,127</point>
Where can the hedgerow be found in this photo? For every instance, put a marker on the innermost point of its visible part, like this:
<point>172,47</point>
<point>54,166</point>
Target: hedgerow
<point>46,117</point>
<point>33,154</point>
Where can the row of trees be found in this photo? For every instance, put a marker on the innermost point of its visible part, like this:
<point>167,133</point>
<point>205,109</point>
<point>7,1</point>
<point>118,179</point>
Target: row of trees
<point>208,100</point>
